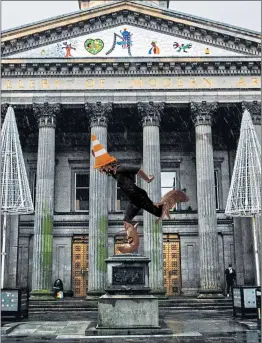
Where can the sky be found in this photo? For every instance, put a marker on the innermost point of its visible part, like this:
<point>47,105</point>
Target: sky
<point>246,14</point>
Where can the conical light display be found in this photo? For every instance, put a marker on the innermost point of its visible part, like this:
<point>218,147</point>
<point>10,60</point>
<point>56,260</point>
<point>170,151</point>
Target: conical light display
<point>244,198</point>
<point>15,192</point>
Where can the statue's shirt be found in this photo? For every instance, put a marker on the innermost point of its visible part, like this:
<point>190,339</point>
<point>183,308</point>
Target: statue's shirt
<point>125,178</point>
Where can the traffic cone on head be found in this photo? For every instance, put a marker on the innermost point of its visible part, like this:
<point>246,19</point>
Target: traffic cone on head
<point>100,154</point>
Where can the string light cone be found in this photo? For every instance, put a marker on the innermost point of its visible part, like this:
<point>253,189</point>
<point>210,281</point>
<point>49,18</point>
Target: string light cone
<point>244,198</point>
<point>15,192</point>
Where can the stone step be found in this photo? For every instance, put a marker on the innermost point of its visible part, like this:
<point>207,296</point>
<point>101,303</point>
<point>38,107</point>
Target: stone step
<point>189,299</point>
<point>82,315</point>
<point>58,305</point>
<point>199,308</point>
<point>53,304</point>
<point>194,305</point>
<point>162,309</point>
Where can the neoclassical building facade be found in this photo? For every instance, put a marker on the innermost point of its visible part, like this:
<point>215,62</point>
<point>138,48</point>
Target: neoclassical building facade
<point>158,88</point>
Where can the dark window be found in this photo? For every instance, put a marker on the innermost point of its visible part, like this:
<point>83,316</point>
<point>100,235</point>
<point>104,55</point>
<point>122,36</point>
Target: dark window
<point>81,191</point>
<point>34,189</point>
<point>217,189</point>
<point>168,182</point>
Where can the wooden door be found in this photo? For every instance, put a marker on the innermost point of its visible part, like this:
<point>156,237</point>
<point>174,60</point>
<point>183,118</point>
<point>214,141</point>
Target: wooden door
<point>172,267</point>
<point>80,266</point>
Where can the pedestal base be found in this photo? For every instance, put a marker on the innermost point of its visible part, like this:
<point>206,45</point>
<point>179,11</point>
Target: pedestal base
<point>128,308</point>
<point>127,311</point>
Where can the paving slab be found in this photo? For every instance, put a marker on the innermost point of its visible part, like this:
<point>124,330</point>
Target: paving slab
<point>187,328</point>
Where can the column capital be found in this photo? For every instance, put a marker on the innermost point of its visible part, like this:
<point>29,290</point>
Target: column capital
<point>202,113</point>
<point>4,108</point>
<point>150,112</point>
<point>254,108</point>
<point>46,114</point>
<point>99,113</point>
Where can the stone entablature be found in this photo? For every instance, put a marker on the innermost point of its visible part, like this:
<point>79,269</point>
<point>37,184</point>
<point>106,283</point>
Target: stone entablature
<point>157,83</point>
<point>204,66</point>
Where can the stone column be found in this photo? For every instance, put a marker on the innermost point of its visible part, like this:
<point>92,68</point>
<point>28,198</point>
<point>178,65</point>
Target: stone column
<point>153,234</point>
<point>98,205</point>
<point>11,259</point>
<point>44,205</point>
<point>254,109</point>
<point>202,115</point>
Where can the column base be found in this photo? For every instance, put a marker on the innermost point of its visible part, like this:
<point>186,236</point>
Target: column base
<point>92,298</point>
<point>160,294</point>
<point>42,294</point>
<point>210,294</point>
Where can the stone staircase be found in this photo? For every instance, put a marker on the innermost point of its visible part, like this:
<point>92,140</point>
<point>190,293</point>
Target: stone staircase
<point>75,308</point>
<point>189,304</point>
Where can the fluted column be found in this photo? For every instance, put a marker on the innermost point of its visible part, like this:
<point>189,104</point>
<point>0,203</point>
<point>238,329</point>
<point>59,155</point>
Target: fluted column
<point>202,115</point>
<point>44,205</point>
<point>98,205</point>
<point>153,234</point>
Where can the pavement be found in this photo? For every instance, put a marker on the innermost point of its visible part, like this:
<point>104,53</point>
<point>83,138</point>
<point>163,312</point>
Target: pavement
<point>186,327</point>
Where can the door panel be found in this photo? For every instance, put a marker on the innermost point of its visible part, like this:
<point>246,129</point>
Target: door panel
<point>172,267</point>
<point>80,266</point>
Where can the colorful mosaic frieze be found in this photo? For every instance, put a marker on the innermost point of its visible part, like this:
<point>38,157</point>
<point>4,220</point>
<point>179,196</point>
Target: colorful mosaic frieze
<point>125,41</point>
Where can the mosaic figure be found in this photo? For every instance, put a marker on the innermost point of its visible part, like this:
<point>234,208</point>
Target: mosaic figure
<point>182,47</point>
<point>94,46</point>
<point>125,41</point>
<point>68,48</point>
<point>155,49</point>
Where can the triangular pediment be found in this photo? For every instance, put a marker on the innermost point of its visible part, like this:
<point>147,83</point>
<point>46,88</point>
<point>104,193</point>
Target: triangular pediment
<point>128,29</point>
<point>125,41</point>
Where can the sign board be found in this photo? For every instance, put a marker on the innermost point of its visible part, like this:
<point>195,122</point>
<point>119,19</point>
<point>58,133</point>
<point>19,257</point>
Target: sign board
<point>250,298</point>
<point>9,300</point>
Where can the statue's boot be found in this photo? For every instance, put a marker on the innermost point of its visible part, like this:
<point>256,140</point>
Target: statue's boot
<point>169,202</point>
<point>132,238</point>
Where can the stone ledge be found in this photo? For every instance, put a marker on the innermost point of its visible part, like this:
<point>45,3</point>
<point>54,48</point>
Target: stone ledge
<point>6,329</point>
<point>162,329</point>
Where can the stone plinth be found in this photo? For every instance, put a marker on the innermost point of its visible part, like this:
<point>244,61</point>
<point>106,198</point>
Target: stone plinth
<point>127,308</point>
<point>127,274</point>
<point>136,311</point>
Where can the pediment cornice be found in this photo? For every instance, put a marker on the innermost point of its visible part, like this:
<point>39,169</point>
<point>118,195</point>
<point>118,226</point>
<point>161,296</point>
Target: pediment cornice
<point>125,13</point>
<point>220,66</point>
